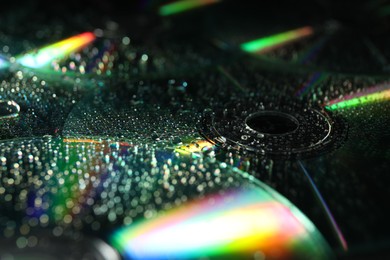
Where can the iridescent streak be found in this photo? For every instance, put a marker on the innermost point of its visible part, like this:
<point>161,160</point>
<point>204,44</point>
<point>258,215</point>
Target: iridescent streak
<point>333,222</point>
<point>314,79</point>
<point>56,51</point>
<point>271,42</point>
<point>183,5</point>
<point>372,95</point>
<point>313,51</point>
<point>241,223</point>
<point>72,146</point>
<point>74,140</point>
<point>194,147</point>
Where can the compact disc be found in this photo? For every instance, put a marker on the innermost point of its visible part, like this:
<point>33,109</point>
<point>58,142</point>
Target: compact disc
<point>194,129</point>
<point>310,38</point>
<point>140,195</point>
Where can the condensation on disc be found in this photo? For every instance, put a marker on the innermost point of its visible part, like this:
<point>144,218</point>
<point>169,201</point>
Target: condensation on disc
<point>8,109</point>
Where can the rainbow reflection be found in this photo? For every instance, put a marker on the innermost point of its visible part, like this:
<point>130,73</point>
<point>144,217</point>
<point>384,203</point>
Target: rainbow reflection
<point>70,174</point>
<point>193,147</point>
<point>82,140</point>
<point>44,56</point>
<point>374,94</point>
<point>183,5</point>
<point>274,41</point>
<point>313,80</point>
<point>241,223</point>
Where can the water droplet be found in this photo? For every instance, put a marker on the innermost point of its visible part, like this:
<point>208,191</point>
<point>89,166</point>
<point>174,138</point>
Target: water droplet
<point>9,109</point>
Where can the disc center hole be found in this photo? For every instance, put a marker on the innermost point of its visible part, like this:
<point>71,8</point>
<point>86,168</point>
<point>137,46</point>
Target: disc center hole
<point>272,122</point>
